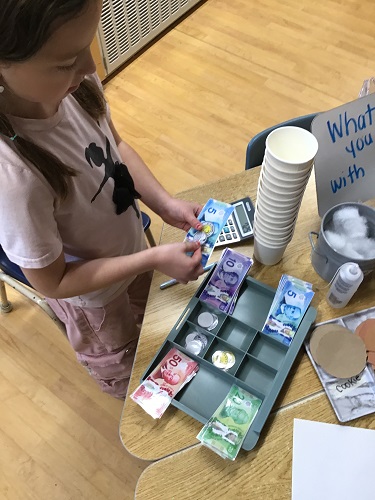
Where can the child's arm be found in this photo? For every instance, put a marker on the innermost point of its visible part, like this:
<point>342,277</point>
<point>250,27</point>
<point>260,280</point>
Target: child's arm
<point>61,279</point>
<point>176,212</point>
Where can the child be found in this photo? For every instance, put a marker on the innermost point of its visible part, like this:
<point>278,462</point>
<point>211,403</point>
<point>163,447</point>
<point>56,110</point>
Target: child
<point>69,215</point>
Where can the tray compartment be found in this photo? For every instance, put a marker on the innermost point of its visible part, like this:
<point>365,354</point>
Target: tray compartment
<point>201,307</point>
<point>206,391</point>
<point>219,345</point>
<point>268,350</point>
<point>191,328</point>
<point>167,346</point>
<point>253,303</point>
<point>237,334</point>
<point>256,375</point>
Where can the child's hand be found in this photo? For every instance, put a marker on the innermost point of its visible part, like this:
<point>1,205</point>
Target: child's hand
<point>182,214</point>
<point>172,260</point>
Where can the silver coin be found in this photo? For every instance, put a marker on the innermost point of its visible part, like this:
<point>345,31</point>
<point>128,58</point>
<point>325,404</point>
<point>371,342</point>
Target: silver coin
<point>196,336</point>
<point>194,346</point>
<point>200,236</point>
<point>208,320</point>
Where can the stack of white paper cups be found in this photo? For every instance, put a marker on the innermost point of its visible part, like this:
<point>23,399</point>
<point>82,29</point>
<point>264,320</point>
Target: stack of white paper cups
<point>286,168</point>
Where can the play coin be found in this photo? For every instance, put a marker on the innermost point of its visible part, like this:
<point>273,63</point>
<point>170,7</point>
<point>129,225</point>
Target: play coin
<point>207,320</point>
<point>223,359</point>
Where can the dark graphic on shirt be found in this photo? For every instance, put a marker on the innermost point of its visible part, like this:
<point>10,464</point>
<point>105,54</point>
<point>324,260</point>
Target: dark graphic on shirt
<point>124,193</point>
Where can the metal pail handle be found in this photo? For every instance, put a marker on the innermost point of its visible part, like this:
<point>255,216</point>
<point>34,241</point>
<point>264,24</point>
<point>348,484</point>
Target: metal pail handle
<point>311,233</point>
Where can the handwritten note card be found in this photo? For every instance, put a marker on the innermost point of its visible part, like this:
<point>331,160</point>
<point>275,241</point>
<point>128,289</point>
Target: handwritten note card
<point>345,162</point>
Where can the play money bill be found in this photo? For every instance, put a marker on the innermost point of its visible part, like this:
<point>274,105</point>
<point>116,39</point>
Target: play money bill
<point>226,280</point>
<point>226,430</point>
<point>292,298</point>
<point>156,392</point>
<point>213,217</point>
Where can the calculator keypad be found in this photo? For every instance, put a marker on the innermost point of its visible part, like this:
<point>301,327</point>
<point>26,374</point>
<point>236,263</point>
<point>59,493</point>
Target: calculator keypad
<point>228,234</point>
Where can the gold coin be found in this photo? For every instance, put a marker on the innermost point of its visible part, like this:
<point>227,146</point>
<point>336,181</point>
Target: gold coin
<point>223,359</point>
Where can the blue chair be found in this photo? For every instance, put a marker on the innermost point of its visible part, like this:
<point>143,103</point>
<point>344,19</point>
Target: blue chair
<point>11,274</point>
<point>257,145</point>
<point>146,221</point>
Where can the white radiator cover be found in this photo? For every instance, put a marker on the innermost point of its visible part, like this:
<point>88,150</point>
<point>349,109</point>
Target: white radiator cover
<point>126,26</point>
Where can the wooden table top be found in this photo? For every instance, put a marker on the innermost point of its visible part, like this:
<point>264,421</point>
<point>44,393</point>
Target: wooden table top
<point>151,439</point>
<point>264,473</point>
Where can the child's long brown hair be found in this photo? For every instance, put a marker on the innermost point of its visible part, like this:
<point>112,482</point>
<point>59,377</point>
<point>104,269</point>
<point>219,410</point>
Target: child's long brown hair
<point>25,26</point>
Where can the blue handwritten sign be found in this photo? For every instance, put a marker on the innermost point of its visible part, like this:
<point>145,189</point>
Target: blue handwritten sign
<point>345,162</point>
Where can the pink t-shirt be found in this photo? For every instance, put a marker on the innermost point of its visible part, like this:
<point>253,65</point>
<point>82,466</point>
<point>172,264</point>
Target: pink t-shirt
<point>35,226</point>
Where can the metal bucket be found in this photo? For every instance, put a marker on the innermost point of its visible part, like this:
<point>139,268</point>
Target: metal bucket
<point>324,258</point>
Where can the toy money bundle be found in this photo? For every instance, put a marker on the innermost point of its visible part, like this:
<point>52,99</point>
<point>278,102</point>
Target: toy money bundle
<point>223,287</point>
<point>213,217</point>
<point>292,298</point>
<point>226,430</point>
<point>156,392</point>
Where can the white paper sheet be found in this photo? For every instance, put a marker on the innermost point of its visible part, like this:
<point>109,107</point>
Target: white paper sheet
<point>332,462</point>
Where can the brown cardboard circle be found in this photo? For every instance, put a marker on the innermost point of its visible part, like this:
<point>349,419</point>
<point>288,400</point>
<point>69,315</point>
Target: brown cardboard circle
<point>366,330</point>
<point>358,331</point>
<point>318,334</point>
<point>342,354</point>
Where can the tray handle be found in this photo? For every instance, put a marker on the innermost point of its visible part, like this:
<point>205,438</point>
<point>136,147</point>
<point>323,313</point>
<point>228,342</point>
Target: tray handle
<point>182,319</point>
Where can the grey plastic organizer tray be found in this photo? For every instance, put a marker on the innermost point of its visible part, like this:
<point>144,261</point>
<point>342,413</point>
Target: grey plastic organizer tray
<point>262,363</point>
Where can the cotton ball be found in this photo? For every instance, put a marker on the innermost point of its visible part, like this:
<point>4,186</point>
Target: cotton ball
<point>346,213</point>
<point>347,220</point>
<point>366,247</point>
<point>350,252</point>
<point>343,214</point>
<point>336,241</point>
<point>362,227</point>
<point>356,228</point>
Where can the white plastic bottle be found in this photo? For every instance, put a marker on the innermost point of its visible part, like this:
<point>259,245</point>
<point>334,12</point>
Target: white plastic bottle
<point>344,285</point>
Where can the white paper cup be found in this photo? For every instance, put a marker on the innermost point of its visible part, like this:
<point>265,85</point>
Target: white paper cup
<point>284,183</point>
<point>271,199</point>
<point>268,255</point>
<point>289,174</point>
<point>275,186</point>
<point>274,219</point>
<point>281,208</point>
<point>270,183</point>
<point>275,227</point>
<point>293,146</point>
<point>289,169</point>
<point>280,193</point>
<point>272,242</point>
<point>262,211</point>
<point>272,236</point>
<point>276,208</point>
<point>270,231</point>
<point>271,239</point>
